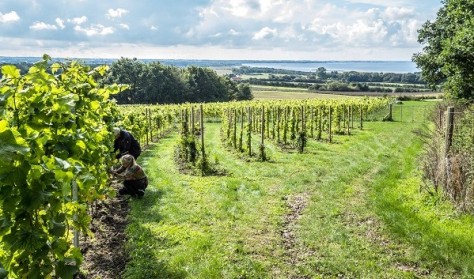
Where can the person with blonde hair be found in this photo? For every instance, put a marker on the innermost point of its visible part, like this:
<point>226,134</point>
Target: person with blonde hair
<point>134,178</point>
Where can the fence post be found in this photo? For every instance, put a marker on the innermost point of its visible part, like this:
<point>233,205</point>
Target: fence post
<point>390,109</point>
<point>449,129</point>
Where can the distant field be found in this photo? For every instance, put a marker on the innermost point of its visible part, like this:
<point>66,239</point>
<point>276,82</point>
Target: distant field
<point>222,70</point>
<point>261,92</point>
<point>272,92</point>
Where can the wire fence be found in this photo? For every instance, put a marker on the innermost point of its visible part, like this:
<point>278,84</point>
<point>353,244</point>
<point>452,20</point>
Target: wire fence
<point>457,123</point>
<point>411,113</point>
<point>464,125</point>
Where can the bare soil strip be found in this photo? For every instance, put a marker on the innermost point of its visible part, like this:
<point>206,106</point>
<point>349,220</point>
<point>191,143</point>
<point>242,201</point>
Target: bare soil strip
<point>104,253</point>
<point>294,252</point>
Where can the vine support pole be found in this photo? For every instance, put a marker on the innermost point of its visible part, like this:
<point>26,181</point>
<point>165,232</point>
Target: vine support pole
<point>147,127</point>
<point>201,123</point>
<point>330,124</point>
<point>75,198</point>
<point>249,132</point>
<point>150,125</point>
<point>348,120</point>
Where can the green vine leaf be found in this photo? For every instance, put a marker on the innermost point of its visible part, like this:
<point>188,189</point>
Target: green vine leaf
<point>55,128</point>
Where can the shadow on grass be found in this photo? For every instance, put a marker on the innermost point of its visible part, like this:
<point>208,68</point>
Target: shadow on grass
<point>437,244</point>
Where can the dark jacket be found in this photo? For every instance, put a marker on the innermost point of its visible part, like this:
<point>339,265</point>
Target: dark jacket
<point>127,144</point>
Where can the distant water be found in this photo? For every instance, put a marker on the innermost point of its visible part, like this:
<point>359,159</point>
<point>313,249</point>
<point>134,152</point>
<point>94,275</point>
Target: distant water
<point>340,66</point>
<point>304,66</point>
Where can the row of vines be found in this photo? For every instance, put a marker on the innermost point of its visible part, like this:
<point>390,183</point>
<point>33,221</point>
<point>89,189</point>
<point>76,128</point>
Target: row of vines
<point>56,144</point>
<point>289,124</point>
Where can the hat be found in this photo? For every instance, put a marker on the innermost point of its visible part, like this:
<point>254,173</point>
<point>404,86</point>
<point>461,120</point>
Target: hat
<point>116,131</point>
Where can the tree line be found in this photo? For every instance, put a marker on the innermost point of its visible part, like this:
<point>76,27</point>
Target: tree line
<point>155,83</point>
<point>321,75</point>
<point>323,80</point>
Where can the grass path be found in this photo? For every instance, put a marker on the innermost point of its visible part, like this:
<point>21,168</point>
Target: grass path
<point>350,209</point>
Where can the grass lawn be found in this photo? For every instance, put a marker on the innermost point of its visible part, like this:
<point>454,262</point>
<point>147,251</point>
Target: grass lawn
<point>349,209</point>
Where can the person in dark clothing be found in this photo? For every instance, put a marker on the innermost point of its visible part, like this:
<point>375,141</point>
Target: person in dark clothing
<point>126,144</point>
<point>134,178</point>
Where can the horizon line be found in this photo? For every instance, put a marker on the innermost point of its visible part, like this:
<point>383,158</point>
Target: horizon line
<point>204,59</point>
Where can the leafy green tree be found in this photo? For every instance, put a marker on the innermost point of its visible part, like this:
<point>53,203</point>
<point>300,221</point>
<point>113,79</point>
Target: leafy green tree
<point>206,85</point>
<point>164,84</point>
<point>244,92</point>
<point>133,73</point>
<point>447,57</point>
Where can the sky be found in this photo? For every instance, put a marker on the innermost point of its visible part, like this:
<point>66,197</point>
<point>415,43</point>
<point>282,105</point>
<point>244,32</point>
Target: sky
<point>215,29</point>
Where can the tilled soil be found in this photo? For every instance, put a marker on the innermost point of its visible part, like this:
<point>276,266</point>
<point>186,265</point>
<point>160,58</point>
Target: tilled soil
<point>104,252</point>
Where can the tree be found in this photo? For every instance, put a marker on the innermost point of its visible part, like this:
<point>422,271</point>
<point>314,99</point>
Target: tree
<point>244,92</point>
<point>206,85</point>
<point>447,57</point>
<point>131,72</point>
<point>321,73</point>
<point>164,85</point>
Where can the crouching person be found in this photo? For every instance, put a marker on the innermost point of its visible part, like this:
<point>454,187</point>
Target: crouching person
<point>134,178</point>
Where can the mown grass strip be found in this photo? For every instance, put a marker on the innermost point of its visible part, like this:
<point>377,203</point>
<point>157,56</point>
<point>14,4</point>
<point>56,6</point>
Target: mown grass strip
<point>360,214</point>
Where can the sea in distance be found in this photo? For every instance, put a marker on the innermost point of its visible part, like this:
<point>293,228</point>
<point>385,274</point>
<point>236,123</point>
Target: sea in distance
<point>295,65</point>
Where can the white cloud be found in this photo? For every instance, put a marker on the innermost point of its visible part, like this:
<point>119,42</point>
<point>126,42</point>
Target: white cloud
<point>265,33</point>
<point>60,23</point>
<point>39,25</point>
<point>95,30</point>
<point>398,13</point>
<point>407,35</point>
<point>233,32</point>
<point>237,8</point>
<point>111,13</point>
<point>268,10</point>
<point>78,20</point>
<point>9,17</point>
<point>124,26</point>
<point>383,2</point>
<point>304,26</point>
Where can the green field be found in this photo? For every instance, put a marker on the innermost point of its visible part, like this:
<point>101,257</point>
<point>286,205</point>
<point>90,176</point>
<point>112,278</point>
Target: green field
<point>261,92</point>
<point>347,209</point>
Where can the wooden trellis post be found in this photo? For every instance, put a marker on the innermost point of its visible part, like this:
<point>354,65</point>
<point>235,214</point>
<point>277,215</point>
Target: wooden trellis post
<point>449,129</point>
